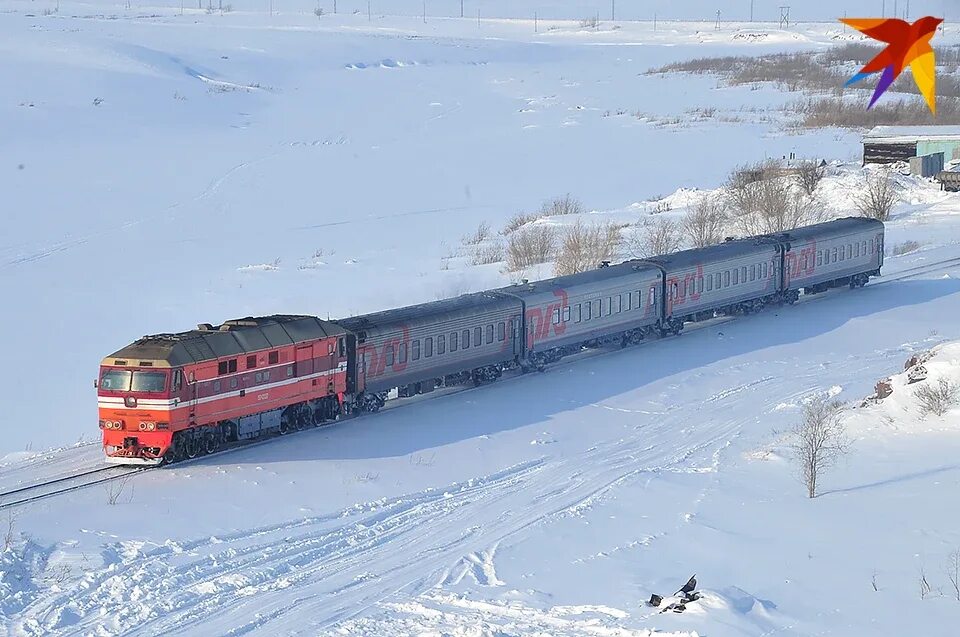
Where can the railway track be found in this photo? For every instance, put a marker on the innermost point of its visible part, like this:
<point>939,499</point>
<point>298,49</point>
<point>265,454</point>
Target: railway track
<point>101,475</point>
<point>65,484</point>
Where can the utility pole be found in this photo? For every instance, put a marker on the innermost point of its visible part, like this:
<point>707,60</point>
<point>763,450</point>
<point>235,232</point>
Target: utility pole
<point>535,26</point>
<point>461,8</point>
<point>613,10</point>
<point>369,15</point>
<point>883,9</point>
<point>906,16</point>
<point>718,20</point>
<point>895,9</point>
<point>784,16</point>
<point>654,20</point>
<point>334,6</point>
<point>478,18</point>
<point>424,11</point>
<point>751,10</point>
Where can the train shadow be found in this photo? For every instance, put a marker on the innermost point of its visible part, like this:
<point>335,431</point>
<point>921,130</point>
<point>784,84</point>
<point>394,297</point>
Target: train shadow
<point>521,401</point>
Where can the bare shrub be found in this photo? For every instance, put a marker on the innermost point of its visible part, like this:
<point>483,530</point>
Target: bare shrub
<point>590,23</point>
<point>584,247</point>
<point>116,488</point>
<point>519,220</point>
<point>905,247</point>
<point>937,398</point>
<point>565,205</point>
<point>925,588</point>
<point>705,221</point>
<point>819,440</point>
<point>531,245</point>
<point>489,253</point>
<point>878,196</point>
<point>809,175</point>
<point>769,205</point>
<point>654,237</point>
<point>952,569</point>
<point>481,234</point>
<point>318,12</point>
<point>10,530</point>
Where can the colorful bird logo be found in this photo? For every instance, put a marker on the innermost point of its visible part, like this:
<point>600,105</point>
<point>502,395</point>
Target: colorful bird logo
<point>906,44</point>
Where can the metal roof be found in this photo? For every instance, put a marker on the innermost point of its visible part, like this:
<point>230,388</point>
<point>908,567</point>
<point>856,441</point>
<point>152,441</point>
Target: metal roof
<point>725,250</point>
<point>835,227</point>
<point>235,337</point>
<point>570,281</point>
<point>901,134</point>
<point>463,304</point>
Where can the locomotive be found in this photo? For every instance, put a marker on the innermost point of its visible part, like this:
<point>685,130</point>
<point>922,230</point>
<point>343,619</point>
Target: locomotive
<point>168,397</point>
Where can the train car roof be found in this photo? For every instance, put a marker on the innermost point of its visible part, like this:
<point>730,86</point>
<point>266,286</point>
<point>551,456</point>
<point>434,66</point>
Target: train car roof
<point>726,250</point>
<point>598,275</point>
<point>843,226</point>
<point>234,337</point>
<point>446,308</point>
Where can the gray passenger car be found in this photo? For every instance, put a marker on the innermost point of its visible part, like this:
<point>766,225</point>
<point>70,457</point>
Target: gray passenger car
<point>700,281</point>
<point>410,348</point>
<point>837,252</point>
<point>610,301</point>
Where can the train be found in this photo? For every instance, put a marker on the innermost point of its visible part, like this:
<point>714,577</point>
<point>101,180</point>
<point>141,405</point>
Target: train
<point>169,397</point>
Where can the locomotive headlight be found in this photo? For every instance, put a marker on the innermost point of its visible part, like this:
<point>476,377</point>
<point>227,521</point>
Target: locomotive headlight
<point>150,426</point>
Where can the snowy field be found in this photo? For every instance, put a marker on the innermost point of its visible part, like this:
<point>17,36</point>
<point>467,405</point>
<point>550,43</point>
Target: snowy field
<point>163,169</point>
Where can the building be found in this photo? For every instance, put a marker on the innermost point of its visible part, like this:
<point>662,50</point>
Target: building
<point>887,144</point>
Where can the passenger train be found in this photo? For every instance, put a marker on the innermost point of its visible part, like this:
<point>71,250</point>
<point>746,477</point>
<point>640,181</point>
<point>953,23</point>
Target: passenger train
<point>173,396</point>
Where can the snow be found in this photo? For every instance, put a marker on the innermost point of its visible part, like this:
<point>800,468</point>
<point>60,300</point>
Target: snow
<point>164,170</point>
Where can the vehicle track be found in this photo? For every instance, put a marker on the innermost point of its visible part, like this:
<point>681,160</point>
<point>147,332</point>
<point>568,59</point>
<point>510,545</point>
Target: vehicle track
<point>65,484</point>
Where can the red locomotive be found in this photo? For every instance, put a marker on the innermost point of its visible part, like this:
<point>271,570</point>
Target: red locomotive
<point>174,396</point>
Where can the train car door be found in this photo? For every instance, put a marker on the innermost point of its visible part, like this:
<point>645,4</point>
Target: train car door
<point>354,379</point>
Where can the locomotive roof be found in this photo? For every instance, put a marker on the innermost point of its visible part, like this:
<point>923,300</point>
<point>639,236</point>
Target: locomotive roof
<point>234,337</point>
<point>601,274</point>
<point>465,303</point>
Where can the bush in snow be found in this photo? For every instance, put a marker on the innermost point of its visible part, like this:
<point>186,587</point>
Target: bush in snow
<point>762,201</point>
<point>937,398</point>
<point>489,253</point>
<point>905,247</point>
<point>565,205</point>
<point>808,176</point>
<point>878,196</point>
<point>704,223</point>
<point>481,234</point>
<point>659,236</point>
<point>584,247</point>
<point>531,245</point>
<point>819,440</point>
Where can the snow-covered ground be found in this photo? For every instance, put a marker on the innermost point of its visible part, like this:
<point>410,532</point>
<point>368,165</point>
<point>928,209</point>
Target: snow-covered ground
<point>165,169</point>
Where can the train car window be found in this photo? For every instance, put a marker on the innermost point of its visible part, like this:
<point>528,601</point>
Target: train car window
<point>753,269</point>
<point>709,282</point>
<point>556,316</point>
<point>454,341</point>
<point>177,380</point>
<point>743,274</point>
<point>273,358</point>
<point>587,310</point>
<point>415,349</point>
<point>428,347</point>
<point>501,331</point>
<point>629,305</point>
<point>700,285</point>
<point>856,249</point>
<point>598,308</point>
<point>402,353</point>
<point>477,336</point>
<point>842,253</point>
<point>362,362</point>
<point>849,251</point>
<point>232,365</point>
<point>251,362</point>
<point>577,313</point>
<point>726,278</point>
<point>618,303</point>
<point>639,299</point>
<point>864,250</point>
<point>653,296</point>
<point>819,257</point>
<point>834,258</point>
<point>465,339</point>
<point>736,276</point>
<point>566,314</point>
<point>489,334</point>
<point>388,352</point>
<point>441,344</point>
<point>673,290</point>
<point>871,246</point>
<point>221,368</point>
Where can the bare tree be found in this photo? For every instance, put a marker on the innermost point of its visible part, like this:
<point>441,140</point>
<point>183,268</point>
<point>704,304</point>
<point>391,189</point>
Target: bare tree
<point>878,196</point>
<point>116,488</point>
<point>481,234</point>
<point>531,245</point>
<point>704,223</point>
<point>925,588</point>
<point>584,247</point>
<point>809,174</point>
<point>937,399</point>
<point>654,237</point>
<point>819,440</point>
<point>10,530</point>
<point>952,568</point>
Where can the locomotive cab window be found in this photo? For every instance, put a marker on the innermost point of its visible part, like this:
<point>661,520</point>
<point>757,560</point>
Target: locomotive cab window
<point>251,362</point>
<point>273,358</point>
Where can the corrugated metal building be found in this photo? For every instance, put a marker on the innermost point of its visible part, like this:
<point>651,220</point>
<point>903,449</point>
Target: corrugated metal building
<point>886,144</point>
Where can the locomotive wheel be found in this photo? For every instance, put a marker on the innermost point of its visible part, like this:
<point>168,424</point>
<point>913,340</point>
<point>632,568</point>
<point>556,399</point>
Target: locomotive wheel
<point>284,425</point>
<point>192,447</point>
<point>210,443</point>
<point>300,420</point>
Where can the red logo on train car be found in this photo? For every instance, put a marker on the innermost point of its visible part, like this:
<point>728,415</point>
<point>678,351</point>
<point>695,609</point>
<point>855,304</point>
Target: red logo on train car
<point>376,360</point>
<point>540,319</point>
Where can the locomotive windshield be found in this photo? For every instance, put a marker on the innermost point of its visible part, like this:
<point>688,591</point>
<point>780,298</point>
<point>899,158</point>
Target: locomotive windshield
<point>126,380</point>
